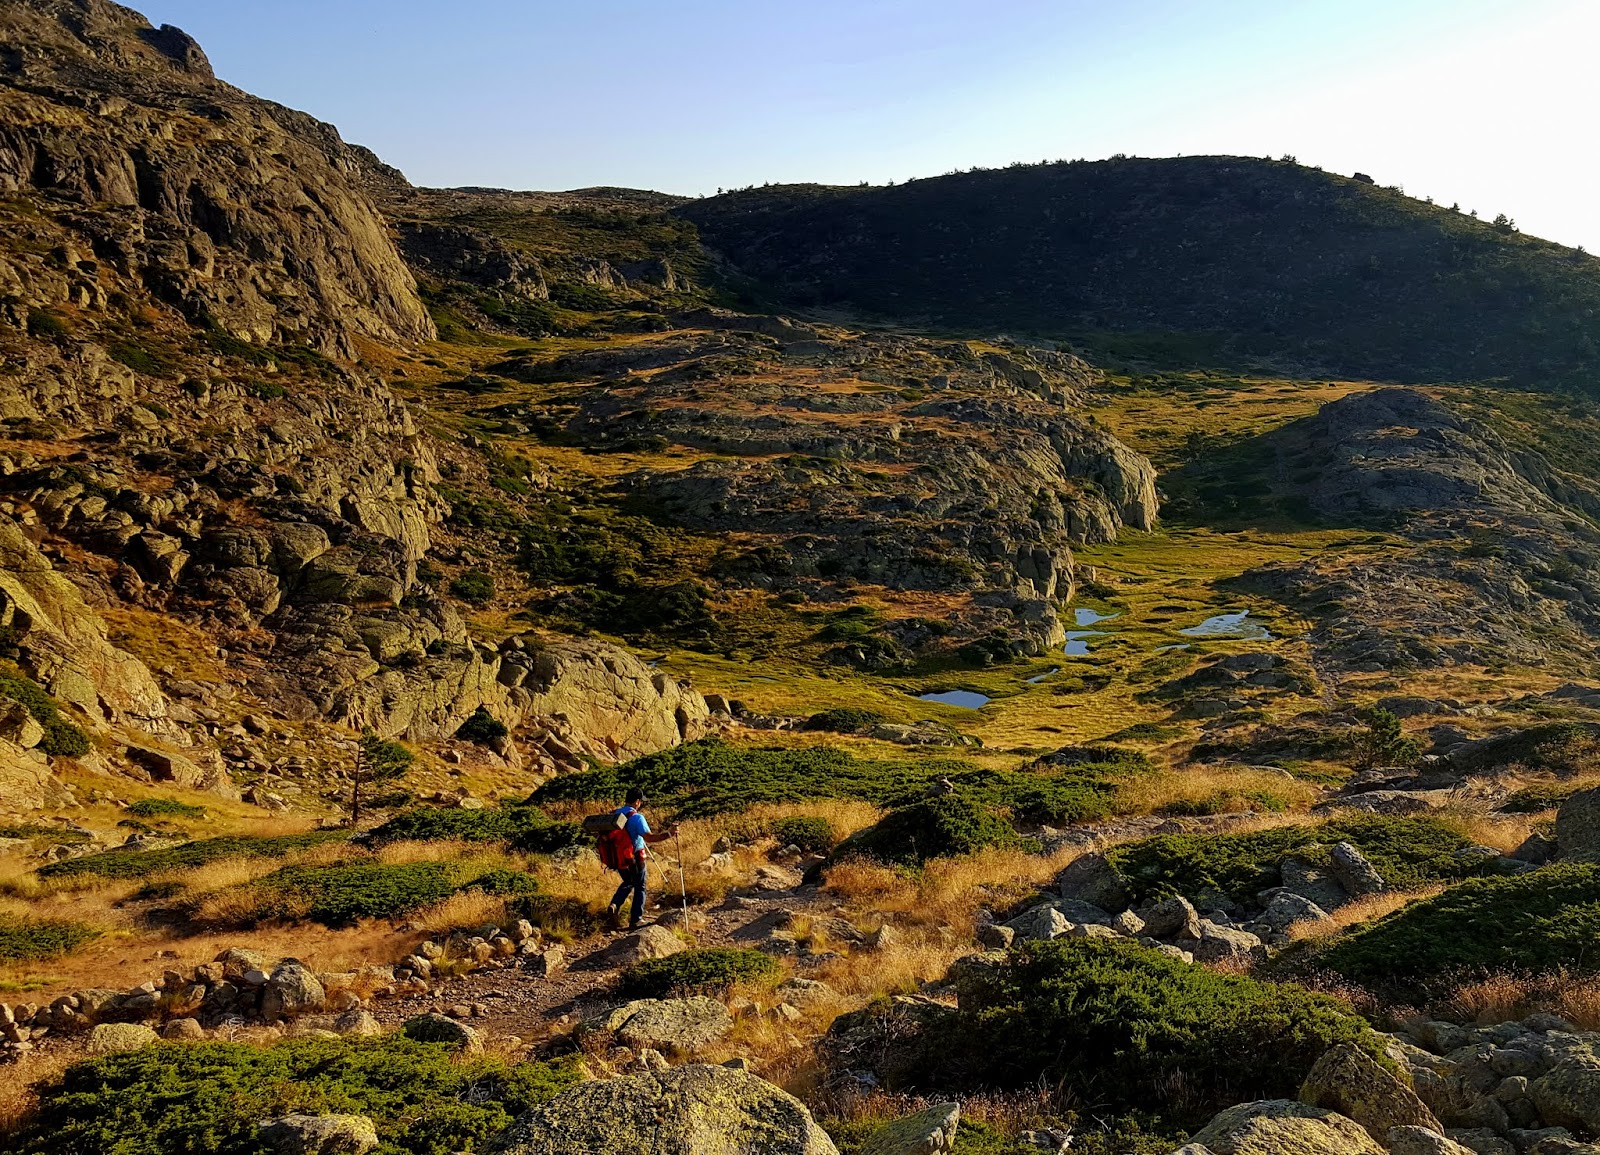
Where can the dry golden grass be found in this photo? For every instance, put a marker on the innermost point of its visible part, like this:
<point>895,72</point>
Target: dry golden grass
<point>1501,998</point>
<point>19,1089</point>
<point>470,908</point>
<point>1146,794</point>
<point>1360,910</point>
<point>1483,827</point>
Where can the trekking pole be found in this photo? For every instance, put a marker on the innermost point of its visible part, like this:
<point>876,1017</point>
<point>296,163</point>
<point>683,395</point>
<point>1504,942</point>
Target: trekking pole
<point>683,888</point>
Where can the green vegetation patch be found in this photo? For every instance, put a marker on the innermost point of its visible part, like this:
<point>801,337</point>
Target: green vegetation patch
<point>209,1097</point>
<point>1559,747</point>
<point>933,828</point>
<point>344,893</point>
<point>164,808</point>
<point>1408,852</point>
<point>1126,1029</point>
<point>143,863</point>
<point>713,777</point>
<point>61,737</point>
<point>1545,796</point>
<point>810,835</point>
<point>31,939</point>
<point>700,971</point>
<point>1530,923</point>
<point>521,826</point>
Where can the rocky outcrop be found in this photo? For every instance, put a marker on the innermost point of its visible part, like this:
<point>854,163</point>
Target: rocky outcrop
<point>62,642</point>
<point>703,1109</point>
<point>232,208</point>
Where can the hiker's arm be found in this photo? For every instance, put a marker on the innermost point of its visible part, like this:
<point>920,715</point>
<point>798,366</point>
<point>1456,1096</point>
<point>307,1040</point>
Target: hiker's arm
<point>661,837</point>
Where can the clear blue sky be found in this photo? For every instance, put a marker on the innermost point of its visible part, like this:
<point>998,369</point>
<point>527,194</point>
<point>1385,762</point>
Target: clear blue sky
<point>1484,102</point>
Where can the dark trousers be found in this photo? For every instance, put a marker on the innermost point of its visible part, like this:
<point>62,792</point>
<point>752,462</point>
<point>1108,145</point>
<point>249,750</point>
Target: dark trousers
<point>633,878</point>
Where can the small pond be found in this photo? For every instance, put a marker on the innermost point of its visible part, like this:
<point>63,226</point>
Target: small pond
<point>964,699</point>
<point>1228,626</point>
<point>1088,617</point>
<point>1078,642</point>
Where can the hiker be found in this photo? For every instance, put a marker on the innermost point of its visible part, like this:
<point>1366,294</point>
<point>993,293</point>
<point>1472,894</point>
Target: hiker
<point>628,856</point>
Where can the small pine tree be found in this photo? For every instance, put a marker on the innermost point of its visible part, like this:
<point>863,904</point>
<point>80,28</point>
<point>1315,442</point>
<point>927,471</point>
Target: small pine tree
<point>377,760</point>
<point>1384,743</point>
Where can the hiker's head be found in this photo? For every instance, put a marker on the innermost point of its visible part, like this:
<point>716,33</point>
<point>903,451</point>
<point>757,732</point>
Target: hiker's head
<point>635,798</point>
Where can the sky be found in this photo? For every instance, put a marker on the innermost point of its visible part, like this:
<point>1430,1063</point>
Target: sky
<point>1484,103</point>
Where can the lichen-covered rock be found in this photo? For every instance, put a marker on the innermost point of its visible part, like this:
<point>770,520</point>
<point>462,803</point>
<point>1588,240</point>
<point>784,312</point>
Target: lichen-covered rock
<point>646,943</point>
<point>700,1109</point>
<point>1423,1141</point>
<point>1348,1080</point>
<point>1284,1127</point>
<point>676,1026</point>
<point>443,1029</point>
<point>292,989</point>
<point>1040,922</point>
<point>1568,1095</point>
<point>1173,917</point>
<point>928,1132</point>
<point>318,1135</point>
<point>1094,880</point>
<point>109,1038</point>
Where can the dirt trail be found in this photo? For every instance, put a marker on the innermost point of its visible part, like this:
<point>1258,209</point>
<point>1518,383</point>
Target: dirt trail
<point>526,1005</point>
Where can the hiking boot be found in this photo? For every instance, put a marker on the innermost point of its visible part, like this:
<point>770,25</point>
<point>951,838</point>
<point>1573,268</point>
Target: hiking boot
<point>614,916</point>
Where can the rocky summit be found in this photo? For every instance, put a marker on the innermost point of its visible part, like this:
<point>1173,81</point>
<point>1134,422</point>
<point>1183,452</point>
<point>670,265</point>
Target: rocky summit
<point>1107,649</point>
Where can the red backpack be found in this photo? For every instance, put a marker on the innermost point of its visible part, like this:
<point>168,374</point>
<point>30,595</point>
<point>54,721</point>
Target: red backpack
<point>613,843</point>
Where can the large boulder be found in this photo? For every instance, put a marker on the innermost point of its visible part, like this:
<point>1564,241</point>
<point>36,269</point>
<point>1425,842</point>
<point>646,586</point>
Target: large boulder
<point>1040,922</point>
<point>1284,1127</point>
<point>680,1026</point>
<point>292,989</point>
<point>1173,917</point>
<point>1578,827</point>
<point>443,1029</point>
<point>1093,879</point>
<point>1353,871</point>
<point>318,1135</point>
<point>1348,1080</point>
<point>696,1109</point>
<point>1423,1141</point>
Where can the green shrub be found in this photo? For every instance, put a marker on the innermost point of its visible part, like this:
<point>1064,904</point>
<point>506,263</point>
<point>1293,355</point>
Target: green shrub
<point>163,807</point>
<point>811,835</point>
<point>482,728</point>
<point>1559,747</point>
<point>30,939</point>
<point>209,1097</point>
<point>474,586</point>
<point>523,827</point>
<point>267,390</point>
<point>344,893</point>
<point>45,326</point>
<point>1406,851</point>
<point>696,970</point>
<point>1529,923</point>
<point>141,863</point>
<point>844,720</point>
<point>1128,1029</point>
<point>61,737</point>
<point>933,828</point>
<point>1545,796</point>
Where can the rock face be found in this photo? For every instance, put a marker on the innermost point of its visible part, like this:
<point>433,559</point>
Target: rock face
<point>63,643</point>
<point>700,1109</point>
<point>928,1132</point>
<point>443,1029</point>
<point>1284,1127</point>
<point>241,212</point>
<point>109,1038</point>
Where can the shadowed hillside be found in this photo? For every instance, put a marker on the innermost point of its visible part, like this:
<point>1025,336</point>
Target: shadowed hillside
<point>1218,259</point>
